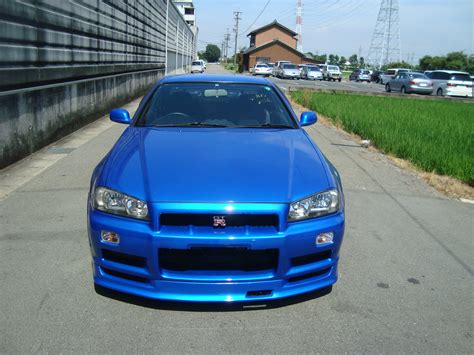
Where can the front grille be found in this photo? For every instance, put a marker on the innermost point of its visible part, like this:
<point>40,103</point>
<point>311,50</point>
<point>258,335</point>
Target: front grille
<point>122,258</point>
<point>220,259</point>
<point>310,258</point>
<point>231,220</point>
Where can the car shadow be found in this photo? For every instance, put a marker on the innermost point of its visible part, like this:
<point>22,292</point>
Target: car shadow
<point>210,306</point>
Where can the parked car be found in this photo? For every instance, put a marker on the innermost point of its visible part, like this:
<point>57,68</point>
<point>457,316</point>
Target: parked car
<point>410,82</point>
<point>288,71</point>
<point>311,73</point>
<point>451,83</point>
<point>375,76</point>
<point>277,66</point>
<point>215,193</point>
<point>389,74</point>
<point>262,69</point>
<point>197,67</point>
<point>331,72</point>
<point>360,75</point>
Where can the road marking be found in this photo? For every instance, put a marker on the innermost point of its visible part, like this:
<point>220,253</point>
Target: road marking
<point>466,200</point>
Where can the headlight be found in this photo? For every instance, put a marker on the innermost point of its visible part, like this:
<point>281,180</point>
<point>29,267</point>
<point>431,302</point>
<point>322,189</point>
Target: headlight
<point>111,201</point>
<point>320,204</point>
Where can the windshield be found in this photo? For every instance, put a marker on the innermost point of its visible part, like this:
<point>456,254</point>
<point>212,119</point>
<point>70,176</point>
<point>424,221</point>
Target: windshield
<point>365,72</point>
<point>262,66</point>
<point>417,76</point>
<point>215,105</point>
<point>332,67</point>
<point>196,63</point>
<point>313,69</point>
<point>289,66</point>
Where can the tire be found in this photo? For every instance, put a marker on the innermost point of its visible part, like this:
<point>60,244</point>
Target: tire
<point>387,88</point>
<point>339,79</point>
<point>403,90</point>
<point>439,92</point>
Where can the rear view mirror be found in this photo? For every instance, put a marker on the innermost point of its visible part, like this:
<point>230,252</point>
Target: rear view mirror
<point>308,118</point>
<point>215,92</point>
<point>120,115</point>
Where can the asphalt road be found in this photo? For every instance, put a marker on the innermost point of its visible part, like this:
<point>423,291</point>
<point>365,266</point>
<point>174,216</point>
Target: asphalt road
<point>406,269</point>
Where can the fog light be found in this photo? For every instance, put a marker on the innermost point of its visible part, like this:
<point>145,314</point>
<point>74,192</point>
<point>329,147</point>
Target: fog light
<point>110,237</point>
<point>325,238</point>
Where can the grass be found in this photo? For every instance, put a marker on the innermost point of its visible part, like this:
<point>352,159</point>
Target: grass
<point>231,66</point>
<point>435,135</point>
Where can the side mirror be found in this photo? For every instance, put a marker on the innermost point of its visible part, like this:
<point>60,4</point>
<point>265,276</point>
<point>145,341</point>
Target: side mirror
<point>308,118</point>
<point>120,115</point>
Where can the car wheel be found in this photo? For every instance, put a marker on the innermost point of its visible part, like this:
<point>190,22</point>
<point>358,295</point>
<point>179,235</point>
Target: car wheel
<point>339,80</point>
<point>439,92</point>
<point>403,90</point>
<point>387,88</point>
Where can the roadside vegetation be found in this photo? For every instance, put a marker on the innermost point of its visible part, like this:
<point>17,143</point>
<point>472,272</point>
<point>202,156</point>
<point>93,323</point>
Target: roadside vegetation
<point>436,136</point>
<point>231,66</point>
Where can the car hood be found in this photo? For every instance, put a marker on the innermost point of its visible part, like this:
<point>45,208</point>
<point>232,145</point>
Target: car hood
<point>215,165</point>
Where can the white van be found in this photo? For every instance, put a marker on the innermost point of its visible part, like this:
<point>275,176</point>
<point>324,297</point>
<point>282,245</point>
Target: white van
<point>197,66</point>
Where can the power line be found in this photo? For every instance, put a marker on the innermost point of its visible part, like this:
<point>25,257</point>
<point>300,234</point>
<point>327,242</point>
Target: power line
<point>256,19</point>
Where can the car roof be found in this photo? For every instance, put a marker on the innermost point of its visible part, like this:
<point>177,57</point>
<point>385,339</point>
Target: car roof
<point>450,71</point>
<point>211,78</point>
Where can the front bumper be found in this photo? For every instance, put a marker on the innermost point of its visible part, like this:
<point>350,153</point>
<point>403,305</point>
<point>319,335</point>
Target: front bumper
<point>315,76</point>
<point>302,266</point>
<point>290,75</point>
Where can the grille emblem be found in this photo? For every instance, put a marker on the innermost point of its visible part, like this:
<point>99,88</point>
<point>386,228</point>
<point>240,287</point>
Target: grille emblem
<point>219,221</point>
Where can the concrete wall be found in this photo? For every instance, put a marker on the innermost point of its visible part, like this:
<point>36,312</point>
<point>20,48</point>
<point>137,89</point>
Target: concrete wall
<point>65,62</point>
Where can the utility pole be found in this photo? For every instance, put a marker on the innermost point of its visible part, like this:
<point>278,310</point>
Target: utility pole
<point>299,24</point>
<point>385,45</point>
<point>227,40</point>
<point>237,18</point>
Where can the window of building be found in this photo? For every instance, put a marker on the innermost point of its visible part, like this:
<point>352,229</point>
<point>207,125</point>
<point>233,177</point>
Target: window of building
<point>189,11</point>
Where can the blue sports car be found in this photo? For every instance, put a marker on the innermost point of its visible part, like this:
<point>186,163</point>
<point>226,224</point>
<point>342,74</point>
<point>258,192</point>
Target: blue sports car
<point>214,192</point>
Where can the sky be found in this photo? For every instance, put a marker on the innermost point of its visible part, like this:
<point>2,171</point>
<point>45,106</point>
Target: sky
<point>345,27</point>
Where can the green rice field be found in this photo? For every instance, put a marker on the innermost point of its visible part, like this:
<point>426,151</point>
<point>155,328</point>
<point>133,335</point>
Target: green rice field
<point>435,135</point>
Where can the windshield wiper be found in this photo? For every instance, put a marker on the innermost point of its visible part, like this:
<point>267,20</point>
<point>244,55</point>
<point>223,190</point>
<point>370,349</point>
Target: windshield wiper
<point>193,124</point>
<point>267,125</point>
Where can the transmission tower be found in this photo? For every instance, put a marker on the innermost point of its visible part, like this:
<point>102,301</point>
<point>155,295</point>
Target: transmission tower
<point>385,45</point>
<point>299,24</point>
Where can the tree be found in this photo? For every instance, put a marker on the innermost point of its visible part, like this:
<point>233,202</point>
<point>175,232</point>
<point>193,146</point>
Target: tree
<point>354,61</point>
<point>342,61</point>
<point>401,64</point>
<point>332,59</point>
<point>212,53</point>
<point>361,62</point>
<point>321,58</point>
<point>456,61</point>
<point>453,61</point>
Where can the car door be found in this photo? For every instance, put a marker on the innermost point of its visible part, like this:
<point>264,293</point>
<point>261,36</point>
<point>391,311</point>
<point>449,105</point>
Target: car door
<point>402,81</point>
<point>394,82</point>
